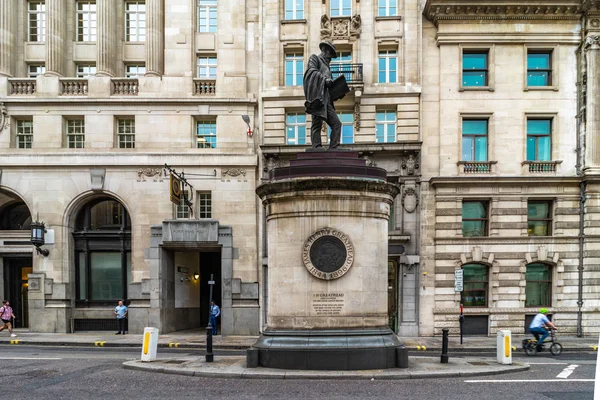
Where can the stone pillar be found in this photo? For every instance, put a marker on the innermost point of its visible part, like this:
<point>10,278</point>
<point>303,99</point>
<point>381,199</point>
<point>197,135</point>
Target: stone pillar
<point>56,36</point>
<point>106,38</point>
<point>592,134</point>
<point>8,23</point>
<point>155,37</point>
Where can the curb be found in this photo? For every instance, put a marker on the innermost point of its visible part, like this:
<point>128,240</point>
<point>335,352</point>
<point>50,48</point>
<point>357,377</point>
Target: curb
<point>122,345</point>
<point>319,375</point>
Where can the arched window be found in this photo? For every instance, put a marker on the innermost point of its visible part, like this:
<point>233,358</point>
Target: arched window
<point>475,285</point>
<point>102,252</point>
<point>15,216</point>
<point>538,285</point>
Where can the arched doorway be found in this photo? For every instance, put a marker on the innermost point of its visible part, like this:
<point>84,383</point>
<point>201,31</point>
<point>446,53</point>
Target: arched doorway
<point>15,255</point>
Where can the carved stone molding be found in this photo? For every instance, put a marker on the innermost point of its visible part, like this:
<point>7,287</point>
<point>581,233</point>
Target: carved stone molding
<point>271,163</point>
<point>144,173</point>
<point>340,28</point>
<point>4,119</point>
<point>357,117</point>
<point>592,42</point>
<point>410,164</point>
<point>410,200</point>
<point>233,172</point>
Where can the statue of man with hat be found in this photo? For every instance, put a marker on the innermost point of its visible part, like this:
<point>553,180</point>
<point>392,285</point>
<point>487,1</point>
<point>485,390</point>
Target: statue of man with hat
<point>317,82</point>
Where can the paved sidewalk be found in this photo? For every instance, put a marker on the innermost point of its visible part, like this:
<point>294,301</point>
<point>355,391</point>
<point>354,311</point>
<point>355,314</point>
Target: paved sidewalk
<point>418,368</point>
<point>196,339</point>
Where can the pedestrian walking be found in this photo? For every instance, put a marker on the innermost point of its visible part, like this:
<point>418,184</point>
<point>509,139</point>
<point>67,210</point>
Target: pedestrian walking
<point>6,313</point>
<point>121,313</point>
<point>215,311</point>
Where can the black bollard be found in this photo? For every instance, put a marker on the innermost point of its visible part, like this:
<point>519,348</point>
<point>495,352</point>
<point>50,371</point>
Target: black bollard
<point>209,354</point>
<point>444,358</point>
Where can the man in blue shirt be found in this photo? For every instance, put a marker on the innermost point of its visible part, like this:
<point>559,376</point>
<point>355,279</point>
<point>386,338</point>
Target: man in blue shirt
<point>121,313</point>
<point>538,327</point>
<point>215,311</point>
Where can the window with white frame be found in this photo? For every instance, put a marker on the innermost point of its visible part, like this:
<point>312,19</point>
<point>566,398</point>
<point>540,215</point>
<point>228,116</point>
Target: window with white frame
<point>86,21</point>
<point>36,18</point>
<point>347,120</point>
<point>295,128</point>
<point>294,9</point>
<point>341,8</point>
<point>387,66</point>
<point>294,69</point>
<point>34,70</point>
<point>24,133</point>
<point>86,70</point>
<point>75,130</point>
<point>204,204</point>
<point>206,134</point>
<point>387,8</point>
<point>135,21</point>
<point>206,67</point>
<point>207,15</point>
<point>385,127</point>
<point>182,210</point>
<point>126,133</point>
<point>135,70</point>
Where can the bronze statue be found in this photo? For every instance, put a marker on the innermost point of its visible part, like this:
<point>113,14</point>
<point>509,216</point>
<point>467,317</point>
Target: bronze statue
<point>317,83</point>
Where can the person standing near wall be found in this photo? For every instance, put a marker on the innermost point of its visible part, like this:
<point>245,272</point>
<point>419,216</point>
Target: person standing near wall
<point>121,313</point>
<point>215,311</point>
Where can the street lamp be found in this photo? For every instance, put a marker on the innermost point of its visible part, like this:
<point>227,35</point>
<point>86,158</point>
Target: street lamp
<point>38,231</point>
<point>196,276</point>
<point>246,119</point>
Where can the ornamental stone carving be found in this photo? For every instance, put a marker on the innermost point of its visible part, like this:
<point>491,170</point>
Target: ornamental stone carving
<point>410,201</point>
<point>410,164</point>
<point>144,173</point>
<point>4,120</point>
<point>340,28</point>
<point>592,42</point>
<point>328,254</point>
<point>233,172</point>
<point>325,27</point>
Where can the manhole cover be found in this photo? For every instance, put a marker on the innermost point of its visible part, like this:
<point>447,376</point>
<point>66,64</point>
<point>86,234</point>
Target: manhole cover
<point>478,363</point>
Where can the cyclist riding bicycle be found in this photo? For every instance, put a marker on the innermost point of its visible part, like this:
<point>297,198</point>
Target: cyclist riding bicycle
<point>539,326</point>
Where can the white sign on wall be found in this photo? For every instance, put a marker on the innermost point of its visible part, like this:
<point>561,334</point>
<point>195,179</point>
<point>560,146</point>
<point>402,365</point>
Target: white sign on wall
<point>458,280</point>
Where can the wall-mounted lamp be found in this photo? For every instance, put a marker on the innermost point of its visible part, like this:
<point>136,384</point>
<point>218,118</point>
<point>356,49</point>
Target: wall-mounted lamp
<point>196,276</point>
<point>247,121</point>
<point>38,230</point>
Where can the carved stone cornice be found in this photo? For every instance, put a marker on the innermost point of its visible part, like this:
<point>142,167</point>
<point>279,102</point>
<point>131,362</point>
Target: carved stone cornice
<point>592,42</point>
<point>506,10</point>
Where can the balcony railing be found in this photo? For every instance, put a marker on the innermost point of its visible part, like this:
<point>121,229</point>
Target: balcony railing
<point>352,72</point>
<point>476,167</point>
<point>125,87</point>
<point>542,167</point>
<point>74,87</point>
<point>205,87</point>
<point>22,87</point>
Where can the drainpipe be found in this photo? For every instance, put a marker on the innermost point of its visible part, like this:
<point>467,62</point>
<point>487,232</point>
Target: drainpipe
<point>580,267</point>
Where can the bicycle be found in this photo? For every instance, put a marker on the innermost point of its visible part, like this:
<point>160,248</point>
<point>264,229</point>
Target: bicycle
<point>530,345</point>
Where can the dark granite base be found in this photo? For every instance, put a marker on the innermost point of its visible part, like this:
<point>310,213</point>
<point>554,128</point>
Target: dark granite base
<point>344,349</point>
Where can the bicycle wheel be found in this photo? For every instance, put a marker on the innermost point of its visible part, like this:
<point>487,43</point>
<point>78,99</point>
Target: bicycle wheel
<point>530,349</point>
<point>556,349</point>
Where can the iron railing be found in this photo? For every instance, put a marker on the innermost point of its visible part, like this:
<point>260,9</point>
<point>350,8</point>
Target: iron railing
<point>352,72</point>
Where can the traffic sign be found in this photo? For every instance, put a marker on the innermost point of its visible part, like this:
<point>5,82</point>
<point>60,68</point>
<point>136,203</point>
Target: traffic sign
<point>458,280</point>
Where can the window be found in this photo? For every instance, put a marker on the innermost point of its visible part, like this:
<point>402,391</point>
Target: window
<point>538,285</point>
<point>342,65</point>
<point>86,21</point>
<point>475,285</point>
<point>474,218</point>
<point>341,8</point>
<point>347,120</point>
<point>388,70</point>
<point>86,70</point>
<point>182,210</point>
<point>135,21</point>
<point>294,9</point>
<point>475,68</point>
<point>102,274</point>
<point>126,133</point>
<point>34,70</point>
<point>474,139</point>
<point>206,134</point>
<point>24,131</point>
<point>135,70</point>
<point>205,203</point>
<point>539,141</point>
<point>207,67</point>
<point>385,128</point>
<point>207,15</point>
<point>36,11</point>
<point>294,69</point>
<point>539,218</point>
<point>387,8</point>
<point>539,68</point>
<point>75,133</point>
<point>295,127</point>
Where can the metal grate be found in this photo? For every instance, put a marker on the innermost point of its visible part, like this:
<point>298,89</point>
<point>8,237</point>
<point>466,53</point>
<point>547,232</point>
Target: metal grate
<point>97,325</point>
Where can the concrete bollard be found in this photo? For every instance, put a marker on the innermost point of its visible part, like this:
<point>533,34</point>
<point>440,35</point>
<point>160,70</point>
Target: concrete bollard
<point>401,357</point>
<point>252,358</point>
<point>503,347</point>
<point>149,344</point>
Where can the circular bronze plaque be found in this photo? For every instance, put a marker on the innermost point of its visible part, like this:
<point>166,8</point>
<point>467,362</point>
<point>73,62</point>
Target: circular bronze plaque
<point>328,254</point>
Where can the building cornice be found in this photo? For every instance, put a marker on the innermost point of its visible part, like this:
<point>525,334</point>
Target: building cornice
<point>506,180</point>
<point>506,10</point>
<point>40,101</point>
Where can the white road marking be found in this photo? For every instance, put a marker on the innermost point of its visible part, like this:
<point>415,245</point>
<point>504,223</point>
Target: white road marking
<point>527,380</point>
<point>544,363</point>
<point>30,358</point>
<point>567,371</point>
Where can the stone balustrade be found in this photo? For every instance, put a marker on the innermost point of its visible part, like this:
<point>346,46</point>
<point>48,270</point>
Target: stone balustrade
<point>22,87</point>
<point>125,87</point>
<point>476,167</point>
<point>205,87</point>
<point>74,87</point>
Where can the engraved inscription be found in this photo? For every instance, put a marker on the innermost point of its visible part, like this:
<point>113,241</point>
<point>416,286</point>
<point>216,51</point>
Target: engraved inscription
<point>328,304</point>
<point>328,254</point>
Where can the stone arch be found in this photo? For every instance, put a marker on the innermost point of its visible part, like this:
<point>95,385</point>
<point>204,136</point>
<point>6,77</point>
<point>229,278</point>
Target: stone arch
<point>542,256</point>
<point>12,202</point>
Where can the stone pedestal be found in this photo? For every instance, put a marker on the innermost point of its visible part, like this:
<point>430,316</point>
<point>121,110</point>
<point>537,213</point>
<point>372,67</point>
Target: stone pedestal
<point>327,233</point>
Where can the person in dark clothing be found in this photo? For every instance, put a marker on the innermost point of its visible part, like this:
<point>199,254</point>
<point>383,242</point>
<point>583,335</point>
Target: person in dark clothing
<point>317,82</point>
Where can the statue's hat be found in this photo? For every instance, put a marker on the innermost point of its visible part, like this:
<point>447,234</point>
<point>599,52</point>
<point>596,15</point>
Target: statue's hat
<point>329,45</point>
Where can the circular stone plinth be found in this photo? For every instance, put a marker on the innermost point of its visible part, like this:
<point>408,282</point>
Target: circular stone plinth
<point>343,349</point>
